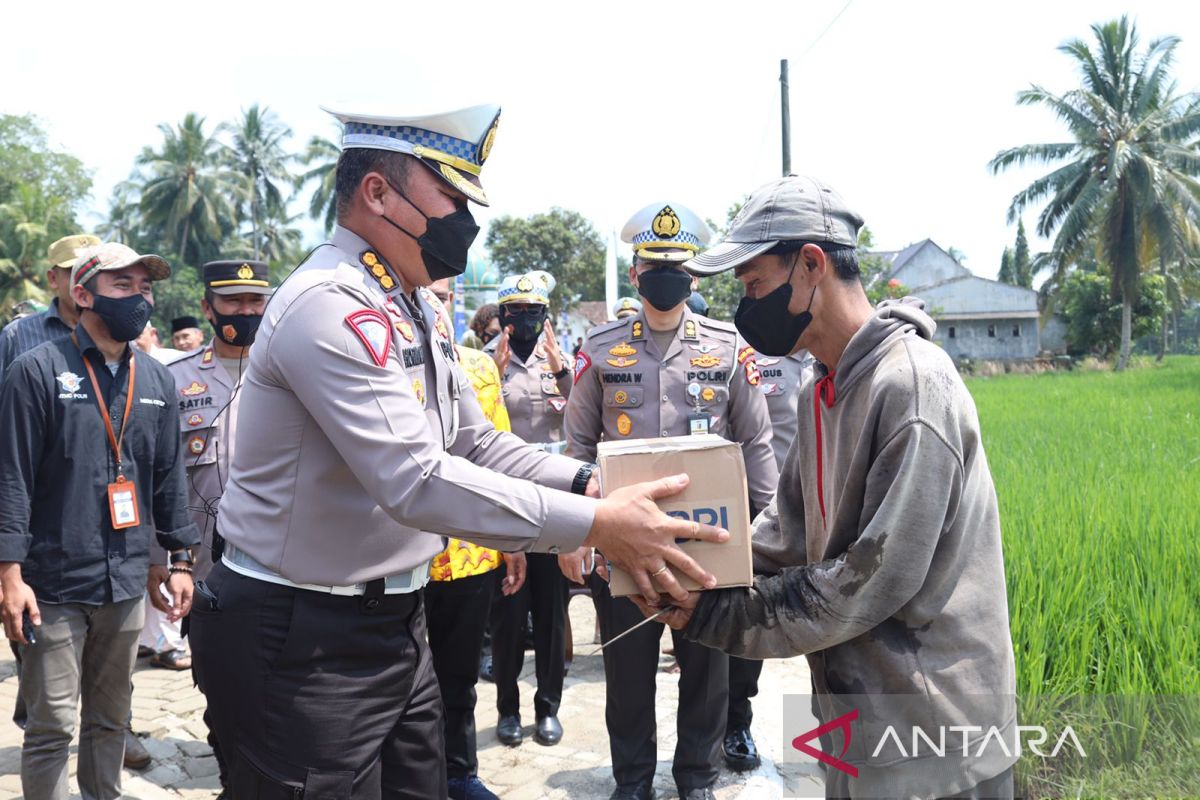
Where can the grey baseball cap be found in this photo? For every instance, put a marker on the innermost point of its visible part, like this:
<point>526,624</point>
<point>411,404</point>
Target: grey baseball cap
<point>795,207</point>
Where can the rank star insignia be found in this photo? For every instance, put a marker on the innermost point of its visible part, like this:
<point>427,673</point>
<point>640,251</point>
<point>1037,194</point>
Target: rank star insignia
<point>369,258</point>
<point>194,389</point>
<point>623,349</point>
<point>705,361</point>
<point>245,272</point>
<point>637,329</point>
<point>406,330</point>
<point>624,424</point>
<point>196,445</point>
<point>622,362</point>
<point>207,357</point>
<point>194,420</point>
<point>69,381</point>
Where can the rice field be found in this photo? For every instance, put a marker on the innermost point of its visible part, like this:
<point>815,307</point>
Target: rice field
<point>1098,477</point>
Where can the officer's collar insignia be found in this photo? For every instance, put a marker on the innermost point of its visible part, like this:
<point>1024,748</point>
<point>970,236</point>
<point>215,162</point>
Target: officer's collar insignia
<point>623,349</point>
<point>194,389</point>
<point>637,329</point>
<point>69,381</point>
<point>689,329</point>
<point>379,271</point>
<point>666,223</point>
<point>207,358</point>
<point>622,362</point>
<point>374,331</point>
<point>406,330</point>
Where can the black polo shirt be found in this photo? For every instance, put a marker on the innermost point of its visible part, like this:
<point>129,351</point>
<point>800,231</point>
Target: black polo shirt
<point>56,464</point>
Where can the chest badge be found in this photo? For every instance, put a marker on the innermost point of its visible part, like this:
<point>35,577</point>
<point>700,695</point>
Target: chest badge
<point>623,349</point>
<point>406,330</point>
<point>624,424</point>
<point>194,389</point>
<point>194,420</point>
<point>621,362</point>
<point>621,398</point>
<point>708,394</point>
<point>196,445</point>
<point>764,361</point>
<point>69,381</point>
<point>705,361</point>
<point>419,390</point>
<point>558,403</point>
<point>703,349</point>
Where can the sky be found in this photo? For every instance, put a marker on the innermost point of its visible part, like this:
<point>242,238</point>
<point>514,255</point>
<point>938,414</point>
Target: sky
<point>607,107</point>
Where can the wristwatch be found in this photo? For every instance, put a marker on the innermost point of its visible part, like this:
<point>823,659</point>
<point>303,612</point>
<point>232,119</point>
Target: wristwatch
<point>580,484</point>
<point>562,373</point>
<point>181,557</point>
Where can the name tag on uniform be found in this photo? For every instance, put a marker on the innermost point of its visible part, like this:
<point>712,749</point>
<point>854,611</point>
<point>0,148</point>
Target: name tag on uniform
<point>698,423</point>
<point>122,504</point>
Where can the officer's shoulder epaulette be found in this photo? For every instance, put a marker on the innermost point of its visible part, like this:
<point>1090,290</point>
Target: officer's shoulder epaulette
<point>606,328</point>
<point>188,356</point>
<point>718,325</point>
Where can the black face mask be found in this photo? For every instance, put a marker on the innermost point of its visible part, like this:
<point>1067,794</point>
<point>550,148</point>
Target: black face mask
<point>767,325</point>
<point>664,287</point>
<point>526,325</point>
<point>445,242</point>
<point>125,317</point>
<point>236,329</point>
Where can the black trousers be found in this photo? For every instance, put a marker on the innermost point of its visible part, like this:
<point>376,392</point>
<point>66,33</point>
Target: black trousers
<point>315,695</point>
<point>544,594</point>
<point>630,667</point>
<point>743,684</point>
<point>457,613</point>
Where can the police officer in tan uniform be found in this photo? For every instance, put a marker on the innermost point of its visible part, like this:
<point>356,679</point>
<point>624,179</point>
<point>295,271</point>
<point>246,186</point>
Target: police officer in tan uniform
<point>360,446</point>
<point>665,372</point>
<point>537,383</point>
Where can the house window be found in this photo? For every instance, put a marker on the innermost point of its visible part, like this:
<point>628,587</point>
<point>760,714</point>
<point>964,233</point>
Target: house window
<point>1017,330</point>
<point>992,331</point>
<point>950,332</point>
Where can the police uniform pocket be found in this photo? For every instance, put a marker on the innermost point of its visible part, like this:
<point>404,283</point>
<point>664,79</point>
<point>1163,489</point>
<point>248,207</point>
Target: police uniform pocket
<point>200,446</point>
<point>623,396</point>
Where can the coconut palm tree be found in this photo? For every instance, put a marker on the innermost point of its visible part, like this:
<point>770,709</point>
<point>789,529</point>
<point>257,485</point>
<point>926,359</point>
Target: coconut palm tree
<point>257,154</point>
<point>322,156</point>
<point>1129,168</point>
<point>27,223</point>
<point>187,195</point>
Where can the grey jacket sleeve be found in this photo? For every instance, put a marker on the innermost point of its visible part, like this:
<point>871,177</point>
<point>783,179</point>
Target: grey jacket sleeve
<point>501,451</point>
<point>583,424</point>
<point>381,432</point>
<point>912,485</point>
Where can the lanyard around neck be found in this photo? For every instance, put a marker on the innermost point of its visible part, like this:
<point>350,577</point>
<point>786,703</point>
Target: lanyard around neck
<point>113,440</point>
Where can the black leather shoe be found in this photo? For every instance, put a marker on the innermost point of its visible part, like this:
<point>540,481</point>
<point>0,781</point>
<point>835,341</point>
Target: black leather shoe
<point>136,754</point>
<point>508,730</point>
<point>701,793</point>
<point>642,790</point>
<point>740,753</point>
<point>469,788</point>
<point>548,731</point>
<point>485,668</point>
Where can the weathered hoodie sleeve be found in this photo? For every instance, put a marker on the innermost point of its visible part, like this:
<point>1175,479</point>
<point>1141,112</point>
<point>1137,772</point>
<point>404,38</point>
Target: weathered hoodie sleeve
<point>911,489</point>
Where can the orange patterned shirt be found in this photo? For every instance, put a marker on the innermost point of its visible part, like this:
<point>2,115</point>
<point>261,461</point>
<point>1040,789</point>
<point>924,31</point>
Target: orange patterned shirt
<point>462,559</point>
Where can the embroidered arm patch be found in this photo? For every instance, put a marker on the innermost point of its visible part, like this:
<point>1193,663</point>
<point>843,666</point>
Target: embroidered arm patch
<point>582,362</point>
<point>375,332</point>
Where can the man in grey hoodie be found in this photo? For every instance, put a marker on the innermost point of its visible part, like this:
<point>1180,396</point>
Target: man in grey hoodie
<point>880,558</point>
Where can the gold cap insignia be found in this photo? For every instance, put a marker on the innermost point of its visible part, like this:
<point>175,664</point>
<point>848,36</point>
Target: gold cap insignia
<point>485,149</point>
<point>666,223</point>
<point>623,349</point>
<point>245,272</point>
<point>525,285</point>
<point>624,424</point>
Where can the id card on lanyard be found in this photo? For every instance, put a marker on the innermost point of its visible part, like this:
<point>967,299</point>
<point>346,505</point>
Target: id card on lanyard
<point>122,493</point>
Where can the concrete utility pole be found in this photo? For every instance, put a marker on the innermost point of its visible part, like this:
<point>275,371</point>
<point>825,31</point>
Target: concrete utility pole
<point>786,114</point>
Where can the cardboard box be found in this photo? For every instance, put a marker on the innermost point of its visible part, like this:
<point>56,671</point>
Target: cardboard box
<point>716,495</point>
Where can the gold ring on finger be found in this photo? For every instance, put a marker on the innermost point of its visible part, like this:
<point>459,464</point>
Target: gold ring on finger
<point>658,571</point>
